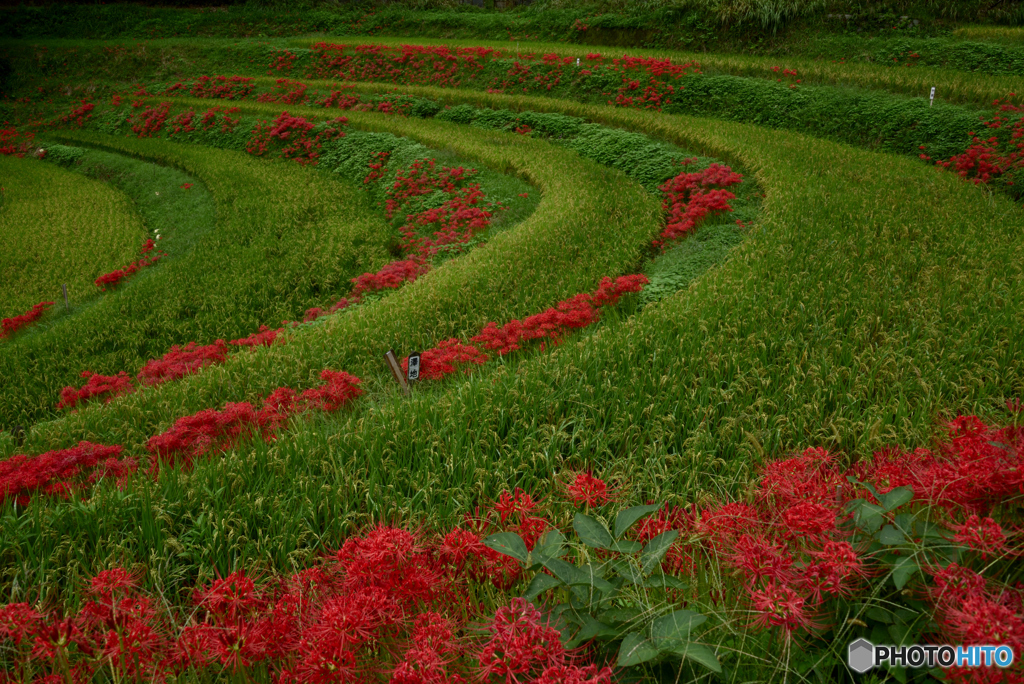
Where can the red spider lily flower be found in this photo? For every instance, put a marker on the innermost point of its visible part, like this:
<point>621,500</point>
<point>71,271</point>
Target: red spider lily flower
<point>722,526</point>
<point>954,584</point>
<point>982,535</point>
<point>9,326</point>
<point>811,477</point>
<point>520,644</point>
<point>574,674</point>
<point>979,620</point>
<point>186,186</point>
<point>833,571</point>
<point>182,361</point>
<point>58,471</point>
<point>516,503</point>
<point>339,389</point>
<point>18,622</point>
<point>810,521</point>
<point>107,386</point>
<point>264,338</point>
<point>530,528</point>
<point>587,490</point>
<point>778,605</point>
<point>439,361</point>
<point>761,560</point>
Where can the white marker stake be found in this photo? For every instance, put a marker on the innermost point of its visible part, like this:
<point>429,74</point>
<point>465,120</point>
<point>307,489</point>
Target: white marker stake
<point>931,100</point>
<point>577,61</point>
<point>414,367</point>
<point>396,370</point>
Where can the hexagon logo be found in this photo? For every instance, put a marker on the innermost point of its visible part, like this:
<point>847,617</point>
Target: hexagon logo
<point>861,656</point>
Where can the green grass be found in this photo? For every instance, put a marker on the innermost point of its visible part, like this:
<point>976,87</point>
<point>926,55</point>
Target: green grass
<point>874,297</point>
<point>953,86</point>
<point>286,239</point>
<point>57,228</point>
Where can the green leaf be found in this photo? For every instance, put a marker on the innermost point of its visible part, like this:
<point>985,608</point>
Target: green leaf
<point>625,519</point>
<point>620,615</point>
<point>676,625</point>
<point>903,570</point>
<point>896,498</point>
<point>701,654</point>
<point>879,614</point>
<point>592,628</point>
<point>656,550</point>
<point>562,570</point>
<point>549,545</point>
<point>663,581</point>
<point>591,532</point>
<point>635,650</point>
<point>508,543</point>
<point>541,582</point>
<point>868,516</point>
<point>890,536</point>
<point>628,571</point>
<point>625,546</point>
<point>866,485</point>
<point>588,575</point>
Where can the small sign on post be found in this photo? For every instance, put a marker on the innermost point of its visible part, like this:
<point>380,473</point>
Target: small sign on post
<point>64,288</point>
<point>396,370</point>
<point>931,100</point>
<point>414,366</point>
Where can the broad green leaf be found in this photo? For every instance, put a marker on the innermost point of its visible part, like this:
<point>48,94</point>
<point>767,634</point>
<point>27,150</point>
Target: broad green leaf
<point>591,629</point>
<point>903,570</point>
<point>896,498</point>
<point>549,545</point>
<point>635,650</point>
<point>866,485</point>
<point>587,575</point>
<point>625,519</point>
<point>591,532</point>
<point>655,550</point>
<point>625,546</point>
<point>562,570</point>
<point>508,543</point>
<point>541,582</point>
<point>620,615</point>
<point>890,536</point>
<point>879,614</point>
<point>868,516</point>
<point>676,625</point>
<point>663,581</point>
<point>628,571</point>
<point>701,654</point>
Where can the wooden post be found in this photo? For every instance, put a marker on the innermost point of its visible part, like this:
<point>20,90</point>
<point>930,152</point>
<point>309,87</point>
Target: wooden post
<point>396,370</point>
<point>64,287</point>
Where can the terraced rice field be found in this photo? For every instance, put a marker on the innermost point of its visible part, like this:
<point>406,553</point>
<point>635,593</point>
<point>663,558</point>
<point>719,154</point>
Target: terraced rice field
<point>701,397</point>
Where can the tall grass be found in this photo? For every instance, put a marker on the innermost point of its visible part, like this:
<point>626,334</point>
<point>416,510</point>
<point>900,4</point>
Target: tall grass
<point>57,227</point>
<point>286,239</point>
<point>603,220</point>
<point>956,87</point>
<point>875,297</point>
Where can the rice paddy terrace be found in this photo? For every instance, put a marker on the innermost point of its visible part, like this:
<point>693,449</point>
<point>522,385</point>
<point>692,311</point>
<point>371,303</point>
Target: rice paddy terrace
<point>721,363</point>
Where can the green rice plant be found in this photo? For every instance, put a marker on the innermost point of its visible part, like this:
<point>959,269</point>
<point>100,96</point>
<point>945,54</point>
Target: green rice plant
<point>56,228</point>
<point>873,296</point>
<point>286,239</point>
<point>605,220</point>
<point>952,86</point>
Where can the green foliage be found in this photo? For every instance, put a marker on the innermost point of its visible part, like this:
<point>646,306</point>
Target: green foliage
<point>57,227</point>
<point>64,155</point>
<point>620,599</point>
<point>286,239</point>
